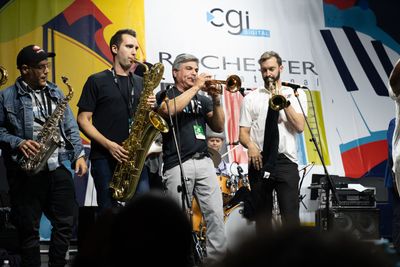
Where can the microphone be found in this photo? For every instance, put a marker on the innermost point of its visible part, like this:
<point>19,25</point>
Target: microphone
<point>240,171</point>
<point>235,143</point>
<point>294,86</point>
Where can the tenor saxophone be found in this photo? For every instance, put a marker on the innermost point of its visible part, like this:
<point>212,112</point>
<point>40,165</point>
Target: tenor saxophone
<point>144,130</point>
<point>48,138</point>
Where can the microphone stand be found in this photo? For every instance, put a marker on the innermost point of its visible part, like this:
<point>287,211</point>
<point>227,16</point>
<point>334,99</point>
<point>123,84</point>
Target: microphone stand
<point>329,185</point>
<point>301,197</point>
<point>199,255</point>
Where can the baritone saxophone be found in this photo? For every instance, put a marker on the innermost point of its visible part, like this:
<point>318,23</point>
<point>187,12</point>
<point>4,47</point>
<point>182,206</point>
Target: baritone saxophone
<point>144,129</point>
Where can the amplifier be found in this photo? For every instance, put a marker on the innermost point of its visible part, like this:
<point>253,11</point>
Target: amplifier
<point>352,198</point>
<point>361,223</point>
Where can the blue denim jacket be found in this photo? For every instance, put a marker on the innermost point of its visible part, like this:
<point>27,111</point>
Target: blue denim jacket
<point>16,121</point>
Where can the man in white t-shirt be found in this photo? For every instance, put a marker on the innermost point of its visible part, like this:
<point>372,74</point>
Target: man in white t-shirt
<point>271,143</point>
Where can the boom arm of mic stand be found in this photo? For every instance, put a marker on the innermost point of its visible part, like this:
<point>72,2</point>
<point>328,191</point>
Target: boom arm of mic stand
<point>330,185</point>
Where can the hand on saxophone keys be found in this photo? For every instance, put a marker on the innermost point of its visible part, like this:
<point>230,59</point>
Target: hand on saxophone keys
<point>29,148</point>
<point>117,151</point>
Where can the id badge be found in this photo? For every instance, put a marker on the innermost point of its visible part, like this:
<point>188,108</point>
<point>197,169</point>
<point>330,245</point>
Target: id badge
<point>199,132</point>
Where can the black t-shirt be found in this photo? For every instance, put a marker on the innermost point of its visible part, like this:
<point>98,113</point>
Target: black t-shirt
<point>194,113</point>
<point>109,103</point>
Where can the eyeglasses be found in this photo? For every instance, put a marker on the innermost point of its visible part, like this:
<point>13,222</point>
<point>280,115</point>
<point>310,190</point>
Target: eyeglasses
<point>42,67</point>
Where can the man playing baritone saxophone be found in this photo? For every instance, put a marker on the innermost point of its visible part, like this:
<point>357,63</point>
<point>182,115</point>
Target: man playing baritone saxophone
<point>190,111</point>
<point>24,108</point>
<point>106,107</point>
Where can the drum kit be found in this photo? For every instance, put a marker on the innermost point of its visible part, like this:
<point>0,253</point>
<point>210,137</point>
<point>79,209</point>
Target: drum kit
<point>236,225</point>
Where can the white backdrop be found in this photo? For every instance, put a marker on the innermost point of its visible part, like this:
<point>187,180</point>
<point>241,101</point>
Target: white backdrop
<point>230,36</point>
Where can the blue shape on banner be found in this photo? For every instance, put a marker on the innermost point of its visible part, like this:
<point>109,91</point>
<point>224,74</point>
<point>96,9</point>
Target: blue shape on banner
<point>255,32</point>
<point>362,19</point>
<point>210,16</point>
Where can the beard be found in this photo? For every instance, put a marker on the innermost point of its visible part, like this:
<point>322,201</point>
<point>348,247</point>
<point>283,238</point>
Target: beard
<point>269,80</point>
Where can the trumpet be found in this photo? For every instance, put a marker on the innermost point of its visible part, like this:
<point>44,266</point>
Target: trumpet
<point>233,84</point>
<point>3,75</point>
<point>277,101</point>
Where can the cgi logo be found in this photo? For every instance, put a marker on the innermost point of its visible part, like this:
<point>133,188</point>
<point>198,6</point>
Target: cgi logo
<point>238,22</point>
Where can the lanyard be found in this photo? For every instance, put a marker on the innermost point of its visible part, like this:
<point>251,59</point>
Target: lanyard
<point>43,105</point>
<point>130,91</point>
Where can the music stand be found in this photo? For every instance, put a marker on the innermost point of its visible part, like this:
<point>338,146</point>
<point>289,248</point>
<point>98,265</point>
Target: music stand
<point>329,185</point>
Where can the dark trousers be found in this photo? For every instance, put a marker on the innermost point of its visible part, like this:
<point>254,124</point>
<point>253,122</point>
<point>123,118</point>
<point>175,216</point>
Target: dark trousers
<point>284,180</point>
<point>396,218</point>
<point>50,192</point>
<point>102,171</point>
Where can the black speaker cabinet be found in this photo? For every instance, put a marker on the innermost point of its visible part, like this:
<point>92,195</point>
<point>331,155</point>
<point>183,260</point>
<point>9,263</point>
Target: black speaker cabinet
<point>363,223</point>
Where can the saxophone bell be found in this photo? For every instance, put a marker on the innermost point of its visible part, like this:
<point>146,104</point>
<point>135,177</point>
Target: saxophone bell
<point>3,75</point>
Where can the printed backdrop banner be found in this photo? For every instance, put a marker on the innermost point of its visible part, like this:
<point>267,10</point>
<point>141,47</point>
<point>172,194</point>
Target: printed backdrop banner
<point>78,32</point>
<point>333,47</point>
<point>336,51</point>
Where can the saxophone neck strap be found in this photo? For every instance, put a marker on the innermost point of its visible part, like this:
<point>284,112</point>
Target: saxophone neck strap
<point>130,90</point>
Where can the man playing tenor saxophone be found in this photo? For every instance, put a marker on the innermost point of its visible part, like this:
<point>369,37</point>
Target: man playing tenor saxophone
<point>106,107</point>
<point>25,109</point>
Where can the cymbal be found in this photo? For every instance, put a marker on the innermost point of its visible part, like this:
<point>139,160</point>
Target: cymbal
<point>215,156</point>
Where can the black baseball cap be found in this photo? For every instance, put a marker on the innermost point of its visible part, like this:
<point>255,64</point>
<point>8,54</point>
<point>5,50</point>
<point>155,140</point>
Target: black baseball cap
<point>32,55</point>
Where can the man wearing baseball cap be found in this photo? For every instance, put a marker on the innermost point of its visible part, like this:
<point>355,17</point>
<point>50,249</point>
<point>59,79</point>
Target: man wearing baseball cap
<point>24,109</point>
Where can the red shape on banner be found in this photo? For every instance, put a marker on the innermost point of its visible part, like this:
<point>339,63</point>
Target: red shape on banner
<point>341,4</point>
<point>359,160</point>
<point>82,8</point>
<point>232,103</point>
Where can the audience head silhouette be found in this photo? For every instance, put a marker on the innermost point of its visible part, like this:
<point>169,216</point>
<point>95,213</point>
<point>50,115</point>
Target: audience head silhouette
<point>151,230</point>
<point>304,246</point>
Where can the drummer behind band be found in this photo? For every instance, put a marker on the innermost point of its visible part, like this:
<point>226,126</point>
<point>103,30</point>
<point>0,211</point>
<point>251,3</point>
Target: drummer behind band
<point>214,143</point>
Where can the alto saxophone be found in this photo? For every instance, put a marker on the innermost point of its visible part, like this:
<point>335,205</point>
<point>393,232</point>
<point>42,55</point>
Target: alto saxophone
<point>144,130</point>
<point>48,138</point>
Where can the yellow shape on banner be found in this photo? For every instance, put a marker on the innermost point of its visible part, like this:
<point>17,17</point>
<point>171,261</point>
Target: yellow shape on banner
<point>9,51</point>
<point>317,126</point>
<point>125,14</point>
<point>20,17</point>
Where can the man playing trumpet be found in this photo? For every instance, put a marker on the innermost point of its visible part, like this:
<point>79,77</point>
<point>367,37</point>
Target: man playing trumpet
<point>190,112</point>
<point>268,130</point>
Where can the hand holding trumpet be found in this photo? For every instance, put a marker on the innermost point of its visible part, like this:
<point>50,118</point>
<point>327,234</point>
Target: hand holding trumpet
<point>232,83</point>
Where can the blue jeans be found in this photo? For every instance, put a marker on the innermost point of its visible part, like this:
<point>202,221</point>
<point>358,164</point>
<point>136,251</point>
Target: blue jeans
<point>102,171</point>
